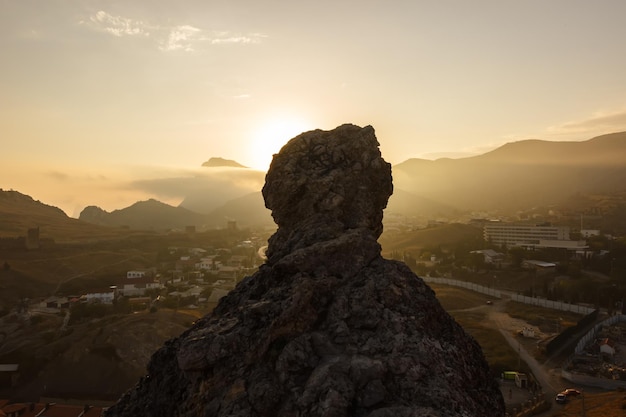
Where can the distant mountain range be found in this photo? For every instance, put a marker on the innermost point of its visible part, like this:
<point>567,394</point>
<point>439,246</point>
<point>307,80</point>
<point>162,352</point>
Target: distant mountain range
<point>516,176</point>
<point>20,212</point>
<point>147,215</point>
<point>247,211</point>
<point>519,175</point>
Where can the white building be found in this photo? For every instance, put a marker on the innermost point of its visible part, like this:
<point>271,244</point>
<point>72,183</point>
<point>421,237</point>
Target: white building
<point>137,286</point>
<point>103,296</point>
<point>607,346</point>
<point>530,236</point>
<point>135,274</point>
<point>490,256</point>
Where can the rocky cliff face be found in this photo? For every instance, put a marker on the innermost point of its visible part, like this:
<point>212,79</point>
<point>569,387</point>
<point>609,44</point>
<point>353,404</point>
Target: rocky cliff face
<point>326,327</point>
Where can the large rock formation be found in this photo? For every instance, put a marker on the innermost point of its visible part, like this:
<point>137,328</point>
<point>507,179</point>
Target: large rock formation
<point>326,327</point>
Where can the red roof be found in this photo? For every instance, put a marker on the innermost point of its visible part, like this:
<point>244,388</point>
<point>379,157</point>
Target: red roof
<point>607,341</point>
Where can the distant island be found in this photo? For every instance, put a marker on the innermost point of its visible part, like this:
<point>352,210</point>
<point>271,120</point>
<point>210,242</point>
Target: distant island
<point>221,162</point>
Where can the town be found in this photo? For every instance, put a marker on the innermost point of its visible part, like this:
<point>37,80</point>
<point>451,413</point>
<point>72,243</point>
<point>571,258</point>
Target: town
<point>538,265</point>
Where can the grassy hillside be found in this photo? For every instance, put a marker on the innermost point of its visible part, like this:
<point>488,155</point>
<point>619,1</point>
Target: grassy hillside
<point>96,359</point>
<point>415,241</point>
<point>19,212</point>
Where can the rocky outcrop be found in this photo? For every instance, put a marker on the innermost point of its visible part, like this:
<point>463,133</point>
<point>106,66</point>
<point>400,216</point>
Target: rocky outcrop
<point>326,327</point>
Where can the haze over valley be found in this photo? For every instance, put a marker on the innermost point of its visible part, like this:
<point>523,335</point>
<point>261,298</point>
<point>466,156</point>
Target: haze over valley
<point>564,178</point>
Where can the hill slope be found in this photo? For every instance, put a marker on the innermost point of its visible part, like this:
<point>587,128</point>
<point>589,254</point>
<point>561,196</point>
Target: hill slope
<point>145,215</point>
<point>19,212</point>
<point>520,175</point>
<point>97,359</point>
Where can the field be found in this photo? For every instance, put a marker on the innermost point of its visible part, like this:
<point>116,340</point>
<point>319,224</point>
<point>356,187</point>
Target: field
<point>469,309</point>
<point>546,319</point>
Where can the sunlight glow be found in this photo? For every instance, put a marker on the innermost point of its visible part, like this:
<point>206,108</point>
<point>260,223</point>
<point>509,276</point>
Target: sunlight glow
<point>270,137</point>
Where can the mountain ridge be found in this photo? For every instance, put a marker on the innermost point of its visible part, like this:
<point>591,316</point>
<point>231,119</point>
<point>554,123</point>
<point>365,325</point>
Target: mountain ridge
<point>518,175</point>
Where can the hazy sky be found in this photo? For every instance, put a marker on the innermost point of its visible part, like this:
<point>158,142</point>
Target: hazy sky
<point>99,96</point>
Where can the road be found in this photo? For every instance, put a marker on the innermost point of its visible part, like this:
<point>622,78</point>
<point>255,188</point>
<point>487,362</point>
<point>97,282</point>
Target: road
<point>550,383</point>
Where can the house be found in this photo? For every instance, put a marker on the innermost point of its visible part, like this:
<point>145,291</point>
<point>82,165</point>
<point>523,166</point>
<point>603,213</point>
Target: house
<point>135,274</point>
<point>206,263</point>
<point>490,256</point>
<point>607,346</point>
<point>521,380</point>
<point>137,286</point>
<point>538,266</point>
<point>104,296</point>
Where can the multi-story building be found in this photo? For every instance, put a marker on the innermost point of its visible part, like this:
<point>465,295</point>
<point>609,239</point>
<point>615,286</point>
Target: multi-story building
<point>530,236</point>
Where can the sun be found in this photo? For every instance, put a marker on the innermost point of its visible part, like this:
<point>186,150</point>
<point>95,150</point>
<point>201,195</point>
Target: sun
<point>271,135</point>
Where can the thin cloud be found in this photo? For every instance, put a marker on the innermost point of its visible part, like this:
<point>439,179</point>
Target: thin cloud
<point>225,39</point>
<point>182,38</point>
<point>119,26</point>
<point>188,38</point>
<point>232,181</point>
<point>169,38</point>
<point>57,175</point>
<point>614,121</point>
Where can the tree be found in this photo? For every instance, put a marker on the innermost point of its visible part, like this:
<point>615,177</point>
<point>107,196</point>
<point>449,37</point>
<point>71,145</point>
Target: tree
<point>517,256</point>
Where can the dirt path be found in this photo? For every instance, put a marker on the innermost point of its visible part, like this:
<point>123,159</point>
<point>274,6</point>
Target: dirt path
<point>550,381</point>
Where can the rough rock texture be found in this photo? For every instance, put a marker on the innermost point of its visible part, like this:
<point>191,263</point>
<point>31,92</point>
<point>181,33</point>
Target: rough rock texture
<point>326,327</point>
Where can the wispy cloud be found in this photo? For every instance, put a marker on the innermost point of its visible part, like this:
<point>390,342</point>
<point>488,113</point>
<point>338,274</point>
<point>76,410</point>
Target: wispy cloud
<point>207,189</point>
<point>168,38</point>
<point>599,122</point>
<point>57,175</point>
<point>119,26</point>
<point>188,38</point>
<point>181,38</point>
<point>225,38</point>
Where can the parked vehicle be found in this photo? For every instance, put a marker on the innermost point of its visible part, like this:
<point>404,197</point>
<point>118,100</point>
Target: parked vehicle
<point>561,398</point>
<point>571,392</point>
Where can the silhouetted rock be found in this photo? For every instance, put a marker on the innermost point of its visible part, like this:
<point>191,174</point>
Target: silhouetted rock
<point>326,327</point>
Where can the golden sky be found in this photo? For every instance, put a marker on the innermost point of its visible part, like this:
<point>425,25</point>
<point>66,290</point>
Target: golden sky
<point>98,97</point>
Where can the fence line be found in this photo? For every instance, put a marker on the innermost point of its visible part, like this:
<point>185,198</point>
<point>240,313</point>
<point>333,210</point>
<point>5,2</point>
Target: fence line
<point>554,305</point>
<point>467,285</point>
<point>591,335</point>
<point>540,302</point>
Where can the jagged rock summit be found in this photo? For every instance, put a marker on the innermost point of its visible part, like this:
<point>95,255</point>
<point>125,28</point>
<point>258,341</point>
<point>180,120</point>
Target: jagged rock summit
<point>326,327</point>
